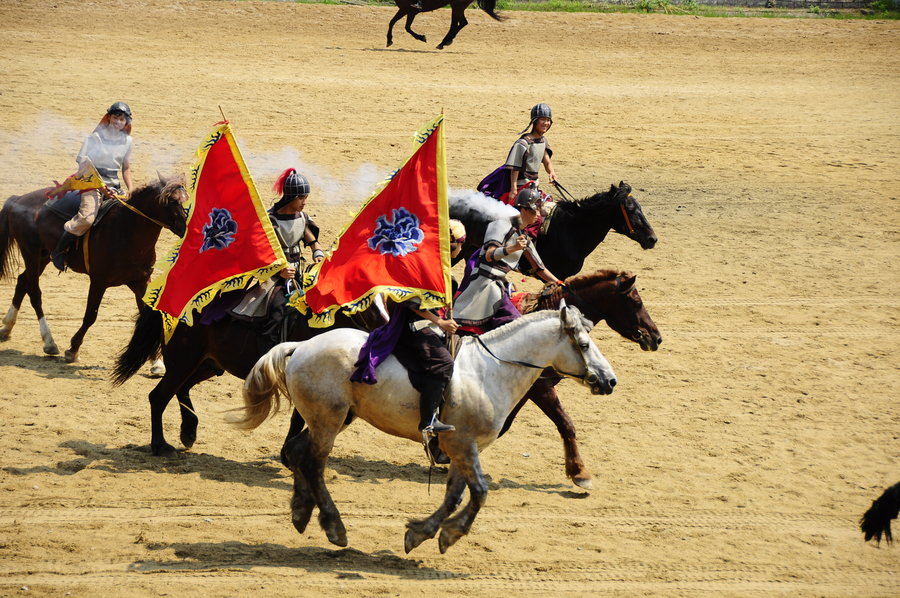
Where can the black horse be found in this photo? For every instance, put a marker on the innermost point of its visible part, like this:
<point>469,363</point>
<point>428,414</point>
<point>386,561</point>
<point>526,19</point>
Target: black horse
<point>457,17</point>
<point>877,520</point>
<point>200,352</point>
<point>572,230</point>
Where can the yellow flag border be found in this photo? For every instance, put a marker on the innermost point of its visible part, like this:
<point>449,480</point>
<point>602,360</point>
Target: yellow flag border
<point>429,298</point>
<point>239,281</point>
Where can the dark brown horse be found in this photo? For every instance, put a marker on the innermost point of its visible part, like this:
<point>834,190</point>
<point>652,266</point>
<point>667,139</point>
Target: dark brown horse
<point>572,230</point>
<point>457,16</point>
<point>600,295</point>
<point>199,352</point>
<point>118,250</point>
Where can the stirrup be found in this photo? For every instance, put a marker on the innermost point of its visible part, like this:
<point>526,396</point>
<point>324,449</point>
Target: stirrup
<point>436,426</point>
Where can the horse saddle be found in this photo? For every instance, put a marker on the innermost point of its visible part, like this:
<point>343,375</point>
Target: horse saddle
<point>67,206</point>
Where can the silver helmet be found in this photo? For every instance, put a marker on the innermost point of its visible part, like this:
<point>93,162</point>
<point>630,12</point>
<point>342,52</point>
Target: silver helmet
<point>541,111</point>
<point>295,185</point>
<point>530,198</point>
<point>121,108</point>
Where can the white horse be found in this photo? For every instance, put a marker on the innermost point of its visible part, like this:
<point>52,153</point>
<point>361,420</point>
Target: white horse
<point>491,375</point>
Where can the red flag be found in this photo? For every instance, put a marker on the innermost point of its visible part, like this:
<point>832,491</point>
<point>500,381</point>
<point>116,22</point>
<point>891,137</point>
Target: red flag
<point>398,244</point>
<point>229,239</point>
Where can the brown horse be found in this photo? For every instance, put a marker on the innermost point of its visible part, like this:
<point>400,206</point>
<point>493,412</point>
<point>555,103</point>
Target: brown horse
<point>118,250</point>
<point>457,16</point>
<point>199,352</point>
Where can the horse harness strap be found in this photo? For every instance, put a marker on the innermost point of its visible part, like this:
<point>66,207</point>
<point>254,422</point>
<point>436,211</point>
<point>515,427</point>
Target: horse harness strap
<point>523,363</point>
<point>627,218</point>
<point>138,212</point>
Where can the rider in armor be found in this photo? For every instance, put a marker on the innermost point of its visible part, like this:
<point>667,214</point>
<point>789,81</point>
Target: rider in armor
<point>109,149</point>
<point>483,302</point>
<point>530,152</point>
<point>292,227</point>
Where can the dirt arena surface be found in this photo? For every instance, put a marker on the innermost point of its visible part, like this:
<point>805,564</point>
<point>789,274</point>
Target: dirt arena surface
<point>735,461</point>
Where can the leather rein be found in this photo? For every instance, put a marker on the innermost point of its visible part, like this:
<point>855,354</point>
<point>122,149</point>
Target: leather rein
<point>538,367</point>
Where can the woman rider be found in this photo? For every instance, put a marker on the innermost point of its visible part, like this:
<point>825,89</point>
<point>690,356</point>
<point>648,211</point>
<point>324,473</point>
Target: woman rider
<point>530,152</point>
<point>108,148</point>
<point>483,302</point>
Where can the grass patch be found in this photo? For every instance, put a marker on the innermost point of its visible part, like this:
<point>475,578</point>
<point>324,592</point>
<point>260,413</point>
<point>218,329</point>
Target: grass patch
<point>879,9</point>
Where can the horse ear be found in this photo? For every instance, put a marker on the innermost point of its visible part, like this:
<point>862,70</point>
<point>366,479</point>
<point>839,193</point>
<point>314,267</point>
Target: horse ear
<point>626,283</point>
<point>161,179</point>
<point>562,305</point>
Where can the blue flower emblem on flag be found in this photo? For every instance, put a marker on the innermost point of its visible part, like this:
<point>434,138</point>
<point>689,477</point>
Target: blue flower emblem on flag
<point>220,231</point>
<point>398,237</point>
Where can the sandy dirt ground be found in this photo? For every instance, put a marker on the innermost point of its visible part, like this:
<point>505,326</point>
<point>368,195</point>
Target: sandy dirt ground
<point>734,461</point>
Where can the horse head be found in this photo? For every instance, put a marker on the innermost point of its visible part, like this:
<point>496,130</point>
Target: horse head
<point>598,374</point>
<point>631,221</point>
<point>628,316</point>
<point>172,197</point>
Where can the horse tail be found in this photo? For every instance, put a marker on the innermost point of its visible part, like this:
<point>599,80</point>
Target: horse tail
<point>488,7</point>
<point>145,343</point>
<point>265,385</point>
<point>877,520</point>
<point>6,241</point>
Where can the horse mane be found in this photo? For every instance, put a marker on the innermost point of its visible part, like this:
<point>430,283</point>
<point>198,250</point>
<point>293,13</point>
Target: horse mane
<point>500,333</point>
<point>595,201</point>
<point>574,284</point>
<point>158,190</point>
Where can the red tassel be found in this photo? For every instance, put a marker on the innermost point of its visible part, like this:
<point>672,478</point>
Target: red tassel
<point>278,187</point>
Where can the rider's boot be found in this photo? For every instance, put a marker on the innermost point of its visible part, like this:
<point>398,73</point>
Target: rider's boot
<point>62,247</point>
<point>432,394</point>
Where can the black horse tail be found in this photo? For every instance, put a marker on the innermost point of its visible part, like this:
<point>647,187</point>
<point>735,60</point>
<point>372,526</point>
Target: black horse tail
<point>877,520</point>
<point>145,343</point>
<point>488,7</point>
<point>6,241</point>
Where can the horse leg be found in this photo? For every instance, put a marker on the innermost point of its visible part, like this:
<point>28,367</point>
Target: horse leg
<point>390,34</point>
<point>312,466</point>
<point>459,525</point>
<point>543,393</point>
<point>419,530</point>
<point>303,502</point>
<point>189,418</point>
<point>290,448</point>
<point>95,297</point>
<point>27,283</point>
<point>457,22</point>
<point>409,20</point>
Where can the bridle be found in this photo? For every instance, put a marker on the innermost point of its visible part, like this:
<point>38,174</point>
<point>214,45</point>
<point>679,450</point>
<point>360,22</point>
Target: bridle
<point>567,195</point>
<point>586,378</point>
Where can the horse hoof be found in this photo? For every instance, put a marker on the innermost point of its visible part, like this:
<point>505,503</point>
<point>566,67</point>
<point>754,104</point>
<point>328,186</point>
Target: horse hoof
<point>165,450</point>
<point>4,335</point>
<point>157,370</point>
<point>50,349</point>
<point>412,539</point>
<point>71,356</point>
<point>584,482</point>
<point>447,539</point>
<point>188,438</point>
<point>337,537</point>
<point>300,518</point>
